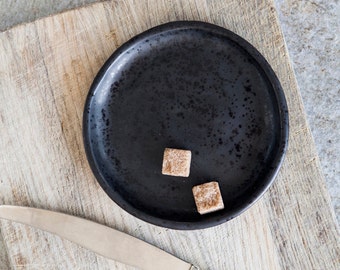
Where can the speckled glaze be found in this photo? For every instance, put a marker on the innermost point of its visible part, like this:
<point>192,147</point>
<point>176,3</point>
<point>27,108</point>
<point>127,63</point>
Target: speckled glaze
<point>186,85</point>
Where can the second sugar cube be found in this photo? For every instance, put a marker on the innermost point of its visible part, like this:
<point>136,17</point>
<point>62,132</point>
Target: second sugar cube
<point>208,197</point>
<point>176,162</point>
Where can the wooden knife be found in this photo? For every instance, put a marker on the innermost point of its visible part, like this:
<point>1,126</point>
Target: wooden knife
<point>101,239</point>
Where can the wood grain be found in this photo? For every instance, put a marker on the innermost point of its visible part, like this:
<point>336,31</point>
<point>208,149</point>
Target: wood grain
<point>46,69</point>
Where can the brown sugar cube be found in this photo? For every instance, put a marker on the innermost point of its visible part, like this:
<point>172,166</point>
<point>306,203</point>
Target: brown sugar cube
<point>176,162</point>
<point>208,197</point>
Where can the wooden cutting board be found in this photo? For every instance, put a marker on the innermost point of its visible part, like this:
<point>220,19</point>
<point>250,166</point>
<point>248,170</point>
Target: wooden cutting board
<point>46,68</point>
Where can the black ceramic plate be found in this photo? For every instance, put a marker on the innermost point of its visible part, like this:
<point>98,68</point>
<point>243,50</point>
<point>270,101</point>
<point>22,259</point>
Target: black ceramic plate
<point>186,85</point>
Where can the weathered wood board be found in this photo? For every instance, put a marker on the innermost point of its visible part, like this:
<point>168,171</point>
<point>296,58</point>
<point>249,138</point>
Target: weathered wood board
<point>46,69</point>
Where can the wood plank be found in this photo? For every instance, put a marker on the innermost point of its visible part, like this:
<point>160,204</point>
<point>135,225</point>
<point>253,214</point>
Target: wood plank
<point>4,261</point>
<point>45,73</point>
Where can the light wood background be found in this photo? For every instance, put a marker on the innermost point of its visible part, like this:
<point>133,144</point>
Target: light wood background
<point>46,69</point>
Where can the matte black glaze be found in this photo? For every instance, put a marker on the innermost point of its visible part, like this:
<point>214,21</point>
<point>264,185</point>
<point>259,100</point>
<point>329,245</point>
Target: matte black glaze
<point>187,85</point>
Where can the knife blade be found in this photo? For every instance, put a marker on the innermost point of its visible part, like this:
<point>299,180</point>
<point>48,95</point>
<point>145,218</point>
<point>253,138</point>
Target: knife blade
<point>101,239</point>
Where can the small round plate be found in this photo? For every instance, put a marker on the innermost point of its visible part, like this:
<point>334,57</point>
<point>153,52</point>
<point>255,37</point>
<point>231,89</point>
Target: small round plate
<point>186,85</point>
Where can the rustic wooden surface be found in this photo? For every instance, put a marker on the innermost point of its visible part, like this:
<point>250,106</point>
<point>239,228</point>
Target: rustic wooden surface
<point>46,68</point>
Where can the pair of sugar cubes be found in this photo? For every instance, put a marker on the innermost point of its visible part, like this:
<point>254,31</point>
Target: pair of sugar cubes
<point>208,198</point>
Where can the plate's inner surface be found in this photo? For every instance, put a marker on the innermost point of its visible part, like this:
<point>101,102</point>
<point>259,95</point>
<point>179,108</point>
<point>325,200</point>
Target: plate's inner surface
<point>186,89</point>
